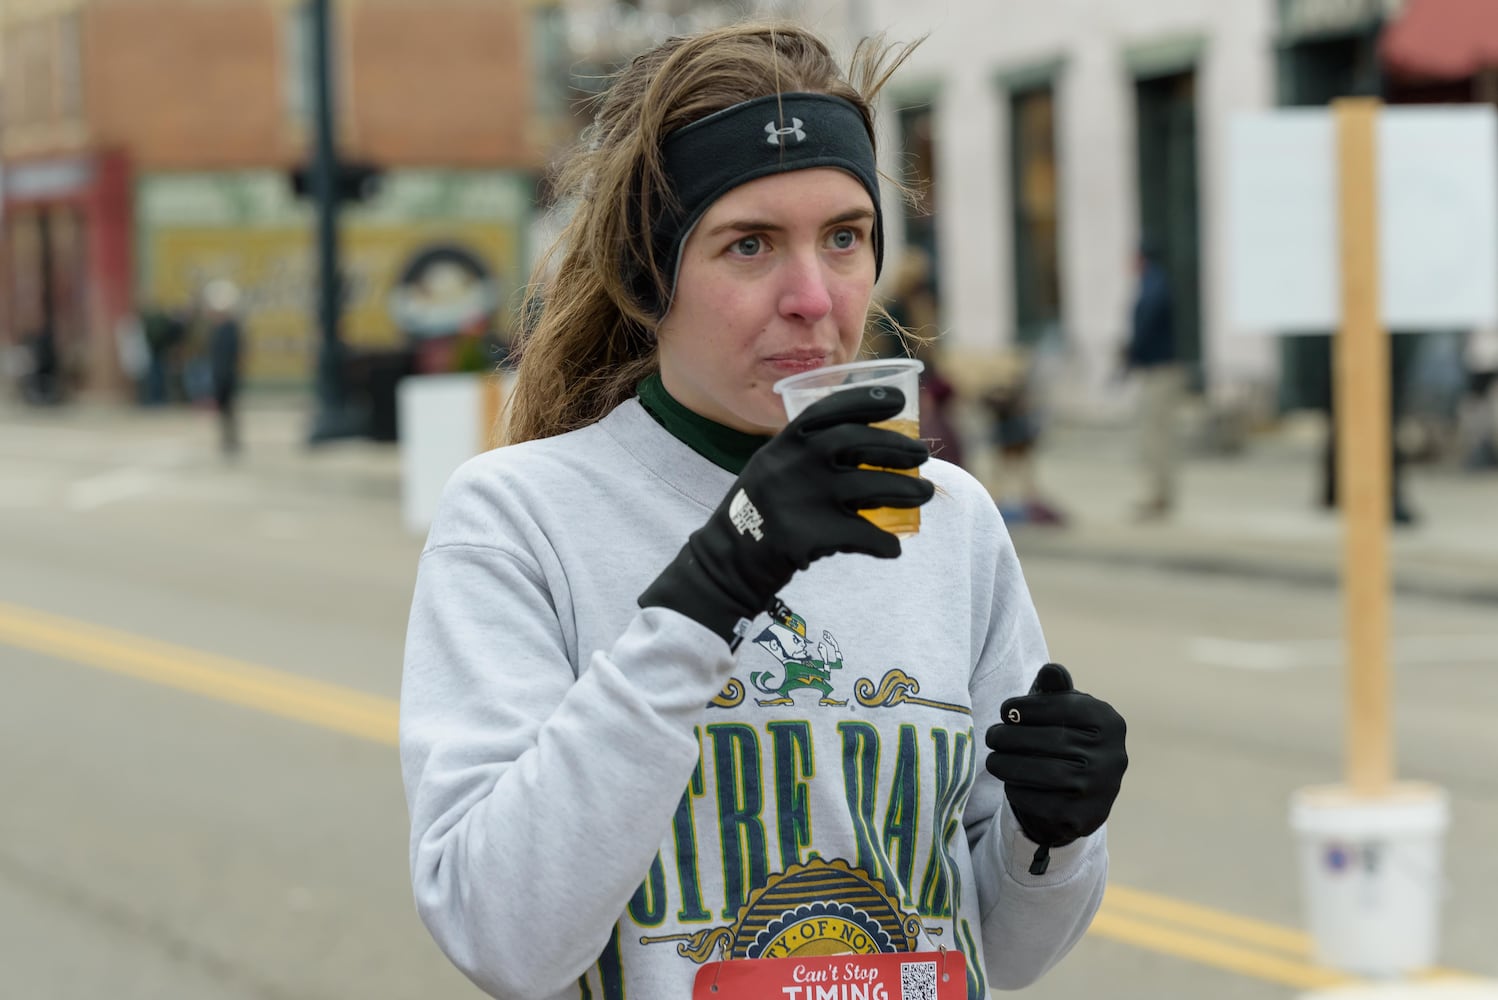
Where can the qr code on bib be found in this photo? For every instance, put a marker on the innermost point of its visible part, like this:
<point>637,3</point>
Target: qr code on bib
<point>918,981</point>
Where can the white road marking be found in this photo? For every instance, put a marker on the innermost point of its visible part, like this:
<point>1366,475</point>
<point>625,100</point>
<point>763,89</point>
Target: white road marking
<point>1241,655</point>
<point>1451,989</point>
<point>109,487</point>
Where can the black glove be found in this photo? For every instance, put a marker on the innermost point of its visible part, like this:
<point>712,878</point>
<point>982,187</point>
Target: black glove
<point>1060,754</point>
<point>797,500</point>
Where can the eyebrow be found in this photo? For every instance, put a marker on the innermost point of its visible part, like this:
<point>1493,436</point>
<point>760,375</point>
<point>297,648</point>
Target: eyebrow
<point>757,225</point>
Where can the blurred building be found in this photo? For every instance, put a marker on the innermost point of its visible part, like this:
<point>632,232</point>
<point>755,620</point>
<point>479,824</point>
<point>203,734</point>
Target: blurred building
<point>1063,134</point>
<point>1406,52</point>
<point>1056,136</point>
<point>147,147</point>
<point>580,44</point>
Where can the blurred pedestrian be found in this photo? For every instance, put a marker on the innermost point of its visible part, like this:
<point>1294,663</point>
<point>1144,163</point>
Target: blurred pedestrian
<point>164,332</point>
<point>911,305</point>
<point>1403,349</point>
<point>133,354</point>
<point>221,316</point>
<point>1478,413</point>
<point>1011,400</point>
<point>43,382</point>
<point>1151,358</point>
<point>591,774</point>
<point>939,402</point>
<point>912,299</point>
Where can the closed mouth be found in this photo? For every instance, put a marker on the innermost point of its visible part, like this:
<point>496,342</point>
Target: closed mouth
<point>799,357</point>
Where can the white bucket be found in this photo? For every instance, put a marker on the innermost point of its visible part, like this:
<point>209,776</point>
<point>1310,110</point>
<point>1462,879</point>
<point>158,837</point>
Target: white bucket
<point>1371,875</point>
<point>440,429</point>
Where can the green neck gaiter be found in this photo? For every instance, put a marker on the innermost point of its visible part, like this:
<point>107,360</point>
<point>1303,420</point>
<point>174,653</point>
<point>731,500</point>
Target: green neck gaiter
<point>723,446</point>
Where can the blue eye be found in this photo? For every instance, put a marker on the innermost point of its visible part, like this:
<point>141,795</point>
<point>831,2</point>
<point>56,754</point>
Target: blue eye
<point>748,246</point>
<point>845,239</point>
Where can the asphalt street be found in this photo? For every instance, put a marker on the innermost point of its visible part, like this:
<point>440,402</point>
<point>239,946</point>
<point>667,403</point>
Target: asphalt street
<point>202,799</point>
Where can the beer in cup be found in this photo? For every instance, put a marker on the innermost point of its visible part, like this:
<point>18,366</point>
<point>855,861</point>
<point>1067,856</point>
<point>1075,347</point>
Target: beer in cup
<point>801,390</point>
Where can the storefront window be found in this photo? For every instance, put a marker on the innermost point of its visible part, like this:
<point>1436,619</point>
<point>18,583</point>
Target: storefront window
<point>918,158</point>
<point>1033,192</point>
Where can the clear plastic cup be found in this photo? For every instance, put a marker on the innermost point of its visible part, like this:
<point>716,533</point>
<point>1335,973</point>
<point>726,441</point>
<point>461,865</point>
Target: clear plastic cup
<point>798,392</point>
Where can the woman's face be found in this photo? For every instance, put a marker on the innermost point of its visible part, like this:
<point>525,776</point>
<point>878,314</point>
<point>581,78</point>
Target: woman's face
<point>775,279</point>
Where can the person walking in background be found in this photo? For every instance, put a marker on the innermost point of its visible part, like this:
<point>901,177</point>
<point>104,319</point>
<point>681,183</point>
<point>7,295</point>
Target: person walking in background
<point>1151,357</point>
<point>134,355</point>
<point>43,382</point>
<point>221,309</point>
<point>912,299</point>
<point>600,799</point>
<point>1403,348</point>
<point>1478,411</point>
<point>165,332</point>
<point>938,403</point>
<point>1016,421</point>
<point>912,307</point>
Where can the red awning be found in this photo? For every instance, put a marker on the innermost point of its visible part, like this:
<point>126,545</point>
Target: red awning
<point>1442,39</point>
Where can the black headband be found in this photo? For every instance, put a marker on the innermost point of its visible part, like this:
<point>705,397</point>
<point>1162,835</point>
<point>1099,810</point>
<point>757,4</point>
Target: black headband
<point>767,135</point>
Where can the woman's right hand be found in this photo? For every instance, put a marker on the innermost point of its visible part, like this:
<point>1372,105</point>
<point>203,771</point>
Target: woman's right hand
<point>796,501</point>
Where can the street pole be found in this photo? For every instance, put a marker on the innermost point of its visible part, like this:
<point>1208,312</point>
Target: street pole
<point>332,419</point>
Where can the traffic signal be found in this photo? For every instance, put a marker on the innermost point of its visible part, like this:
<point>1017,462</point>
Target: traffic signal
<point>352,182</point>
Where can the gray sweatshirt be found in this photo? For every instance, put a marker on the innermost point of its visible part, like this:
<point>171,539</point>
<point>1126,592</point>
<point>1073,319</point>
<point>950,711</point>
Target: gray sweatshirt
<point>603,798</point>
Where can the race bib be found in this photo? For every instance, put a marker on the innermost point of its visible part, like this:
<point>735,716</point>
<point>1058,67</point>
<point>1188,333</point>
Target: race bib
<point>924,975</point>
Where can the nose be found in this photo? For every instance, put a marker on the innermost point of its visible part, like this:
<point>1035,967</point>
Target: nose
<point>805,294</point>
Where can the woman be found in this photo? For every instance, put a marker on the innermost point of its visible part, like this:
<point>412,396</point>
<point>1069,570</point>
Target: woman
<point>609,786</point>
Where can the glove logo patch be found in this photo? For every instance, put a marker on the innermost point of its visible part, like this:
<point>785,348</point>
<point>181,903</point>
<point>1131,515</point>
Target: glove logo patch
<point>1012,716</point>
<point>746,517</point>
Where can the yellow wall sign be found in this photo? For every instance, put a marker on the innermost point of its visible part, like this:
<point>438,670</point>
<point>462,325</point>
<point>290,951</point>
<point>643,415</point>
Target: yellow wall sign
<point>190,232</point>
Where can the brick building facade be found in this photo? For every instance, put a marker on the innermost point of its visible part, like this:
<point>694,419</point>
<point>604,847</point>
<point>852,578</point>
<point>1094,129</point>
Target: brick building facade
<point>145,146</point>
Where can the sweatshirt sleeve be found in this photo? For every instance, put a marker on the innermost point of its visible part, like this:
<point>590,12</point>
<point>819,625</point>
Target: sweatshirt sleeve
<point>539,794</point>
<point>1029,921</point>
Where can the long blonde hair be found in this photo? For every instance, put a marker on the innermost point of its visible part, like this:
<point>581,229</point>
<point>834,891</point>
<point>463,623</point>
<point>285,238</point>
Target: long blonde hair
<point>593,339</point>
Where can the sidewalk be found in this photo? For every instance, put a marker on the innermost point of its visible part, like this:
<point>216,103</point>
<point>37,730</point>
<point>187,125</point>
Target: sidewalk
<point>184,440</point>
<point>1251,514</point>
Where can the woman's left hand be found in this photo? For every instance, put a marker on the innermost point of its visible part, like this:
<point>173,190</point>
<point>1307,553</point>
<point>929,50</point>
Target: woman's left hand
<point>1060,754</point>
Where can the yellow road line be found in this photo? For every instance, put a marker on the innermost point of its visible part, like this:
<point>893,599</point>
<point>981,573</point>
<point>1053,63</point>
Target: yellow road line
<point>1237,958</point>
<point>329,706</point>
<point>1241,945</point>
<point>1125,908</point>
<point>1261,934</point>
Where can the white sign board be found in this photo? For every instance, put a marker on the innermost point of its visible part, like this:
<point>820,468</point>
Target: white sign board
<point>1438,219</point>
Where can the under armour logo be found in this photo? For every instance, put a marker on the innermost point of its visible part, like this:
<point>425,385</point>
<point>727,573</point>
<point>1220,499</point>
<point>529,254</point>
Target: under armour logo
<point>773,134</point>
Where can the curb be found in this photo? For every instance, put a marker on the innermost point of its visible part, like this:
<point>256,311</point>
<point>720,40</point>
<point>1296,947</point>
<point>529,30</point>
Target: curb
<point>1406,581</point>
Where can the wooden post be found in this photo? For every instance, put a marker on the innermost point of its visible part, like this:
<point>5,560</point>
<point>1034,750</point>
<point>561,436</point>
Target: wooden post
<point>1361,402</point>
